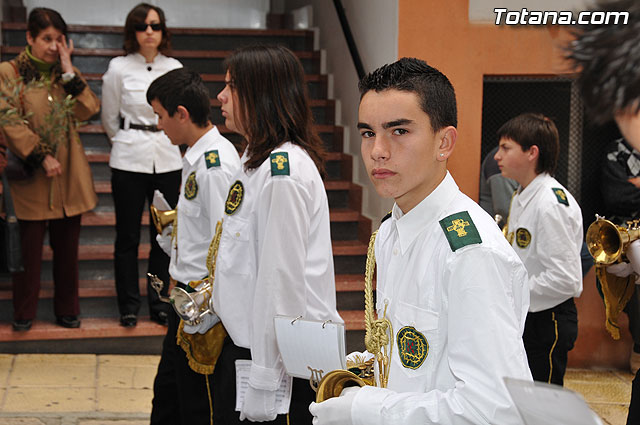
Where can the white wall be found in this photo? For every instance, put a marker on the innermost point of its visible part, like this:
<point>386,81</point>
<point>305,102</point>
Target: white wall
<point>482,10</point>
<point>185,13</point>
<point>374,24</point>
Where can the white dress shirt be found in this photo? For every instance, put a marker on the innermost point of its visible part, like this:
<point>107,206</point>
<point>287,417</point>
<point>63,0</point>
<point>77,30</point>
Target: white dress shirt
<point>552,256</point>
<point>197,217</point>
<point>275,258</point>
<point>469,304</point>
<point>124,94</point>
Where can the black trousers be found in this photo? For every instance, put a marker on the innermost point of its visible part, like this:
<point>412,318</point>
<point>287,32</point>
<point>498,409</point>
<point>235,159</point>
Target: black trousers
<point>180,395</point>
<point>634,406</point>
<point>130,192</point>
<point>224,392</point>
<point>548,337</point>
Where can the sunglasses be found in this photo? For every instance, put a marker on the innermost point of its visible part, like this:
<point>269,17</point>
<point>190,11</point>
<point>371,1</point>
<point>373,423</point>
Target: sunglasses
<point>143,27</point>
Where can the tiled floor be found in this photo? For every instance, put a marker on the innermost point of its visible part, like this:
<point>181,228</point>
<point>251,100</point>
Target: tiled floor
<point>58,389</point>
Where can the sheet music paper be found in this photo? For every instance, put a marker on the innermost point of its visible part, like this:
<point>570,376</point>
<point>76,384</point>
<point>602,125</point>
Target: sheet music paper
<point>283,394</point>
<point>542,404</point>
<point>310,343</point>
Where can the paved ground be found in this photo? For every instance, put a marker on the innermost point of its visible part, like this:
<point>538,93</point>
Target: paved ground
<point>86,389</point>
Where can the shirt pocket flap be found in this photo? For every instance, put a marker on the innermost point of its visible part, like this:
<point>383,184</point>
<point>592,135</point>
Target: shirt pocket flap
<point>236,228</point>
<point>419,318</point>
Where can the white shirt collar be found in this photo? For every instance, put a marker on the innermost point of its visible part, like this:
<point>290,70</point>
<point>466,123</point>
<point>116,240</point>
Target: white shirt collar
<point>411,224</point>
<point>200,146</point>
<point>523,196</point>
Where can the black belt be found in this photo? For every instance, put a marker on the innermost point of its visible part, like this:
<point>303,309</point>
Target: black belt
<point>145,127</point>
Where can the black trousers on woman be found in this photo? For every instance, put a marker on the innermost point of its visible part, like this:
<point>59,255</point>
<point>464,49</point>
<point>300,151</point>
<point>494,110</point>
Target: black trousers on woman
<point>130,192</point>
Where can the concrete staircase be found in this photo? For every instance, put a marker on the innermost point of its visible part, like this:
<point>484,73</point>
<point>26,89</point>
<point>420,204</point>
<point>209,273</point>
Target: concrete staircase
<point>202,50</point>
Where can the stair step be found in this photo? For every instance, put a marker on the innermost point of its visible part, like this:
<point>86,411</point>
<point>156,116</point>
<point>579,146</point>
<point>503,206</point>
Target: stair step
<point>105,251</point>
<point>85,36</point>
<point>104,288</point>
<point>92,327</point>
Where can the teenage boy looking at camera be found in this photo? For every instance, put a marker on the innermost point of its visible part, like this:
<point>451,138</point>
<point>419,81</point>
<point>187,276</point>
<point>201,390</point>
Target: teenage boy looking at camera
<point>454,291</point>
<point>545,229</point>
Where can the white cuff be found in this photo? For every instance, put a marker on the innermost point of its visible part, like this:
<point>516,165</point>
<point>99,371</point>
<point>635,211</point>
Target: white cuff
<point>366,408</point>
<point>263,378</point>
<point>68,76</point>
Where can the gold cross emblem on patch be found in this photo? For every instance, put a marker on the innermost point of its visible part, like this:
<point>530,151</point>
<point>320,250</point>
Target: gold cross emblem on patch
<point>458,226</point>
<point>561,194</point>
<point>212,157</point>
<point>279,160</point>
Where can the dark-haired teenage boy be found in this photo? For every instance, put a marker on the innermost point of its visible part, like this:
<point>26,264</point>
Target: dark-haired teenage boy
<point>545,229</point>
<point>453,289</point>
<point>181,101</point>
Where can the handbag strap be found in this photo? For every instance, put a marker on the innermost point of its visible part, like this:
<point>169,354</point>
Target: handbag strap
<point>7,199</point>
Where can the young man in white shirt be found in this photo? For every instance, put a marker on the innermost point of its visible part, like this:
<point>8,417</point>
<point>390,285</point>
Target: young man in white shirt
<point>453,289</point>
<point>545,229</point>
<point>181,101</point>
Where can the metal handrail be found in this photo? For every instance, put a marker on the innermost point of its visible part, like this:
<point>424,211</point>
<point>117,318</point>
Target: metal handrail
<point>346,30</point>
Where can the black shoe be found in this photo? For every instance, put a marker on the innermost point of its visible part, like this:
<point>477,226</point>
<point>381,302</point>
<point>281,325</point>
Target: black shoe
<point>128,320</point>
<point>22,325</point>
<point>161,318</point>
<point>68,321</point>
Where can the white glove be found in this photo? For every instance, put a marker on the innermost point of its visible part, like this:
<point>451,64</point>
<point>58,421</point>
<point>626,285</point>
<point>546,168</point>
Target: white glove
<point>336,410</point>
<point>357,357</point>
<point>633,266</point>
<point>259,405</point>
<point>159,201</point>
<point>633,254</point>
<point>207,322</point>
<point>164,239</point>
<point>620,269</point>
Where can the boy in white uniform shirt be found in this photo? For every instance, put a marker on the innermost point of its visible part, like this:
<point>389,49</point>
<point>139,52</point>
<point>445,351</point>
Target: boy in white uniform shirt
<point>545,229</point>
<point>182,104</point>
<point>453,289</point>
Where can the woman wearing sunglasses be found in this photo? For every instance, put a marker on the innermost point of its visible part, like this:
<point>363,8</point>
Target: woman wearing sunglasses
<point>142,157</point>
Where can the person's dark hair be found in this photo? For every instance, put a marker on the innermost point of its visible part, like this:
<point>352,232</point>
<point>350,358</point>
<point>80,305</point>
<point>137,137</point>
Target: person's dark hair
<point>182,87</point>
<point>607,57</point>
<point>137,16</point>
<point>272,102</point>
<point>41,18</point>
<point>534,129</point>
<point>436,94</point>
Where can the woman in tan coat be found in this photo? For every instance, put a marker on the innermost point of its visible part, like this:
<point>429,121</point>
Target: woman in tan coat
<point>61,186</point>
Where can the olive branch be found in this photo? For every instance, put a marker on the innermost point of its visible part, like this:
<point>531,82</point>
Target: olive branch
<point>55,125</point>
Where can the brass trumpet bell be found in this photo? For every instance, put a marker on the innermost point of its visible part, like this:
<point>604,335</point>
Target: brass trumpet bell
<point>607,242</point>
<point>335,381</point>
<point>162,219</point>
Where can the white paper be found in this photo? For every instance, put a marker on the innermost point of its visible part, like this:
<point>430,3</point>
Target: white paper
<point>305,344</point>
<point>542,404</point>
<point>159,201</point>
<point>283,394</point>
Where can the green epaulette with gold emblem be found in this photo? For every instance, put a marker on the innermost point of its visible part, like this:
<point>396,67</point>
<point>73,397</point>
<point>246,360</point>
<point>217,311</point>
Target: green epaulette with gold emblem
<point>279,163</point>
<point>561,196</point>
<point>212,158</point>
<point>460,230</point>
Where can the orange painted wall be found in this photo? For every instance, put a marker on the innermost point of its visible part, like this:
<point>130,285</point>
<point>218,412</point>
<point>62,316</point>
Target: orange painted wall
<point>440,33</point>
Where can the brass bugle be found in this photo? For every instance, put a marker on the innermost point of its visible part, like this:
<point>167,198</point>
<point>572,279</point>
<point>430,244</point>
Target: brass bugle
<point>162,219</point>
<point>607,242</point>
<point>335,381</point>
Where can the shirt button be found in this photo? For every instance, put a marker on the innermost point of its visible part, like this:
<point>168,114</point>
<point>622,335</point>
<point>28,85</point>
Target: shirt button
<point>237,234</point>
<point>395,251</point>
